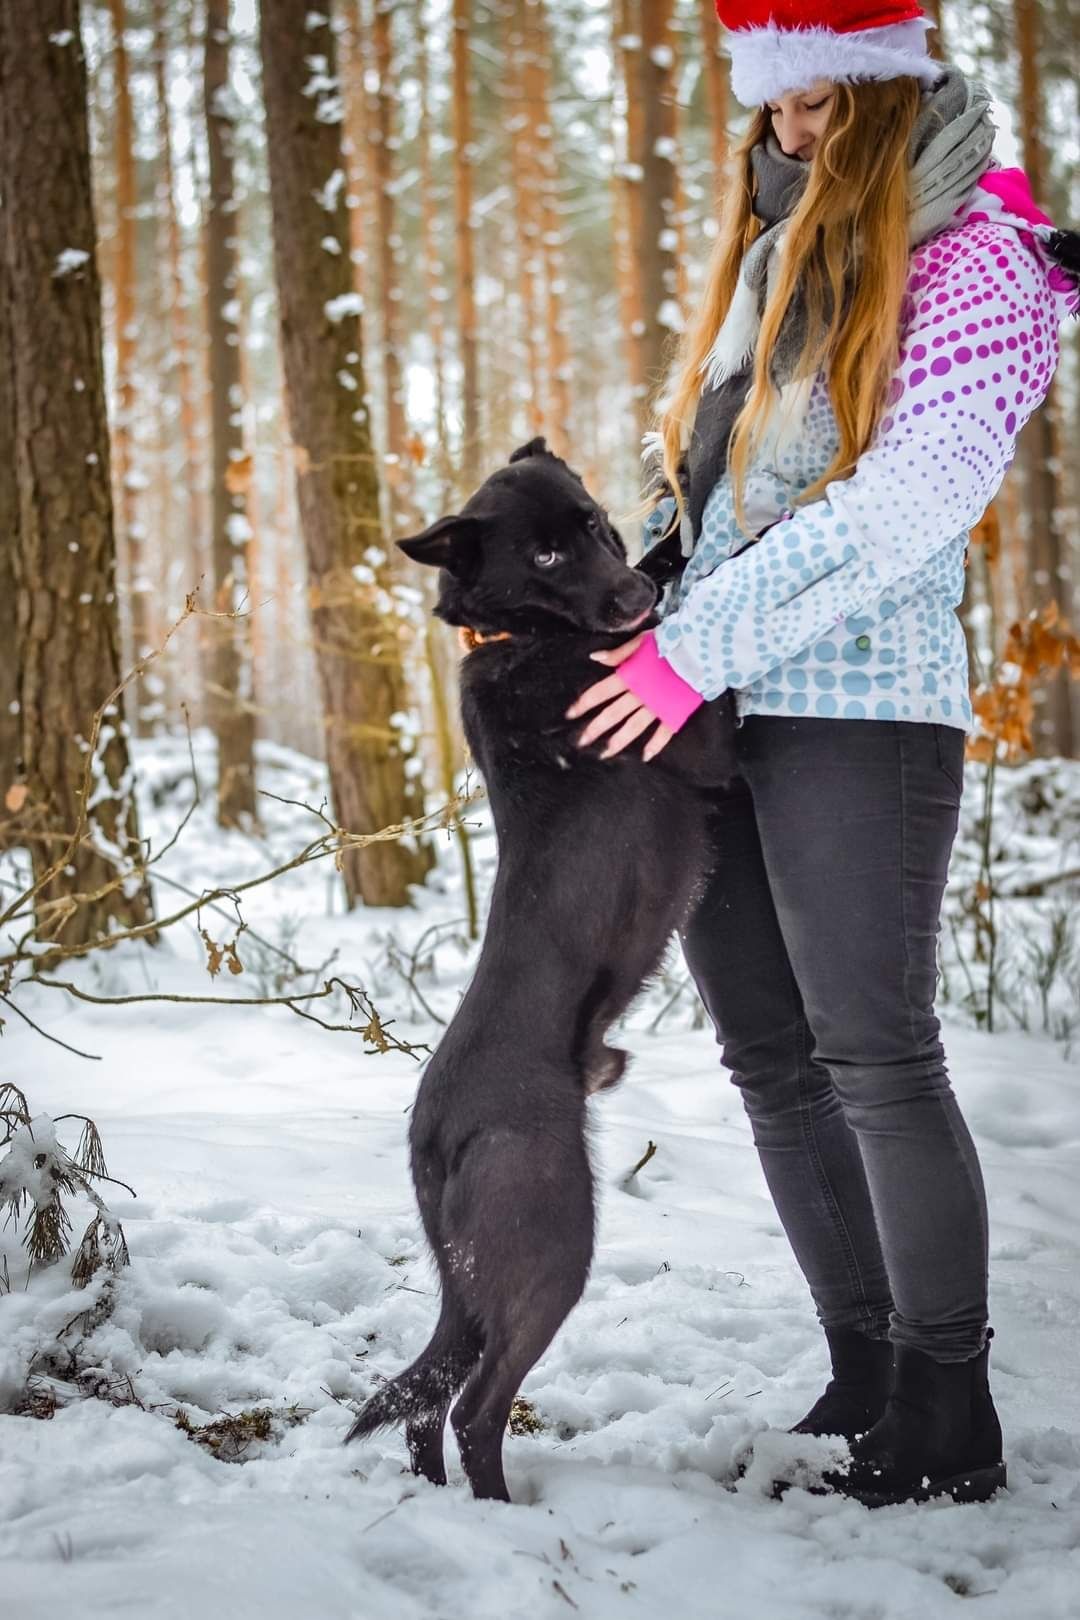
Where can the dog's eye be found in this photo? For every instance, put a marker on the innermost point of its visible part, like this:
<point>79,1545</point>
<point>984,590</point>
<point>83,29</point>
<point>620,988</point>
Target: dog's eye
<point>547,559</point>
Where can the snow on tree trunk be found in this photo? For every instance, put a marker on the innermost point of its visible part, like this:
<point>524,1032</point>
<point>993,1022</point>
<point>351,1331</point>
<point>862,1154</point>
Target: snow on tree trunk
<point>65,557</point>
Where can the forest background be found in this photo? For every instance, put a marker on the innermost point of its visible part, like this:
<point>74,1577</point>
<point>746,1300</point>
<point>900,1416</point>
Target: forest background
<point>303,277</point>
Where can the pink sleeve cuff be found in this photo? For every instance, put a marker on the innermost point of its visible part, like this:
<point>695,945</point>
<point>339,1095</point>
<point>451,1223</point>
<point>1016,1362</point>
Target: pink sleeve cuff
<point>651,678</point>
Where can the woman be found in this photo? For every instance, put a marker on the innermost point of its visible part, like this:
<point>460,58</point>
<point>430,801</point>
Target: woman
<point>880,319</point>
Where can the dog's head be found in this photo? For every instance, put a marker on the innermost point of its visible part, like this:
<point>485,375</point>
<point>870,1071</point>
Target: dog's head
<point>532,551</point>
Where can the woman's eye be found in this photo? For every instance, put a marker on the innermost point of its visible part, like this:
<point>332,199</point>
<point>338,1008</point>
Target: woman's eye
<point>546,559</point>
<point>818,105</point>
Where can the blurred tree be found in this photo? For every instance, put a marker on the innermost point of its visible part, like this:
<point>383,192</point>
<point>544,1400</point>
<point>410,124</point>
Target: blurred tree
<point>464,228</point>
<point>658,243</point>
<point>232,690</point>
<point>358,642</point>
<point>1050,580</point>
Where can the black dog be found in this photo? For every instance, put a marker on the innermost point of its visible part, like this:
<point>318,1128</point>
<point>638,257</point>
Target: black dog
<point>598,864</point>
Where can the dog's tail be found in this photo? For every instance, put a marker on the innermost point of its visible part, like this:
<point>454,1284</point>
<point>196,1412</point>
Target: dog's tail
<point>425,1387</point>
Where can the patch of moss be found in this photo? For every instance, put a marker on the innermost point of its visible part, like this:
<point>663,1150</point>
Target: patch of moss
<point>524,1418</point>
<point>228,1437</point>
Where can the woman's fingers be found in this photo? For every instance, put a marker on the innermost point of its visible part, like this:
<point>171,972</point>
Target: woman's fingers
<point>659,739</point>
<point>630,732</point>
<point>611,687</point>
<point>614,656</point>
<point>608,717</point>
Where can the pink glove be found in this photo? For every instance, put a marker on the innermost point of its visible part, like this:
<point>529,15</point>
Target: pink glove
<point>651,678</point>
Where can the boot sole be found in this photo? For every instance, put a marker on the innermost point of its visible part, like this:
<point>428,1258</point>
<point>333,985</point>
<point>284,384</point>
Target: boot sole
<point>974,1485</point>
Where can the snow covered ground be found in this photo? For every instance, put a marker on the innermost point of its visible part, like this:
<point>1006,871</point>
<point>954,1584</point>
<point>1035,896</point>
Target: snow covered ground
<point>277,1262</point>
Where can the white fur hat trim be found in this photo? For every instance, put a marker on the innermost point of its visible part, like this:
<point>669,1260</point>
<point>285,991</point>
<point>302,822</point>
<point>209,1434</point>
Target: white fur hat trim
<point>770,62</point>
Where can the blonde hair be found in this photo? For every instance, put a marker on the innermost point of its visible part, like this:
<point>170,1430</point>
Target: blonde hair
<point>847,247</point>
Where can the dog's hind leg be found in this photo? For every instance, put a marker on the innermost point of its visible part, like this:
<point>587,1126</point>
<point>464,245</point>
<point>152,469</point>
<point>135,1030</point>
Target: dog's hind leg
<point>483,1409</point>
<point>522,1206</point>
<point>455,1348</point>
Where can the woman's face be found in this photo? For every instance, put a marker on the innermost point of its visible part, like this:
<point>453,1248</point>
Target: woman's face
<point>800,120</point>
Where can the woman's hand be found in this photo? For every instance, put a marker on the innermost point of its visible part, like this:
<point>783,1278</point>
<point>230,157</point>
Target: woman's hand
<point>619,704</point>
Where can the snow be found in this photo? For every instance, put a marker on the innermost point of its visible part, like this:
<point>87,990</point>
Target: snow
<point>68,261</point>
<point>277,1261</point>
<point>346,304</point>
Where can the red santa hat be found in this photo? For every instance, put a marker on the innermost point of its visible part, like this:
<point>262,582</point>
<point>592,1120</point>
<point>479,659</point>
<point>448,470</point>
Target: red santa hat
<point>778,48</point>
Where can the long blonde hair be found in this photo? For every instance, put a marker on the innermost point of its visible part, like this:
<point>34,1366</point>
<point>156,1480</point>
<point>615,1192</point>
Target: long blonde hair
<point>847,245</point>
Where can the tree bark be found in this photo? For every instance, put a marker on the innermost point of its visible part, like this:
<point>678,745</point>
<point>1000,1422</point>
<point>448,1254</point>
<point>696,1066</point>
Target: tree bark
<point>629,210</point>
<point>402,508</point>
<point>535,47</point>
<point>522,119</point>
<point>9,539</point>
<point>717,94</point>
<point>65,560</point>
<point>178,312</point>
<point>232,695</point>
<point>463,235</point>
<point>1049,571</point>
<point>358,642</point>
<point>658,244</point>
<point>131,534</point>
<point>939,44</point>
<point>434,269</point>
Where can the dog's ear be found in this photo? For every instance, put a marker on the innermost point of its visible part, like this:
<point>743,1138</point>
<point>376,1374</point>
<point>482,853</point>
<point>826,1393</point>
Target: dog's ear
<point>535,447</point>
<point>450,543</point>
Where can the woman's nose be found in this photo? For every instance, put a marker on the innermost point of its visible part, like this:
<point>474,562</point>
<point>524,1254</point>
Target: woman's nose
<point>792,137</point>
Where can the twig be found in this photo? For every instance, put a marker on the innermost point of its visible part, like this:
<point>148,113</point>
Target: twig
<point>92,1057</point>
<point>375,1031</point>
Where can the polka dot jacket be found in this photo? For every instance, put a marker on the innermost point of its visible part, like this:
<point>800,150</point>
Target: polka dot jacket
<point>846,608</point>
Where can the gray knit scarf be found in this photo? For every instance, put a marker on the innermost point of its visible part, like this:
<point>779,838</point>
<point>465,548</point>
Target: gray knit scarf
<point>950,151</point>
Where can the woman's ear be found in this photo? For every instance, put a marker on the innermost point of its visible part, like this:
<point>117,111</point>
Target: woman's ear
<point>451,543</point>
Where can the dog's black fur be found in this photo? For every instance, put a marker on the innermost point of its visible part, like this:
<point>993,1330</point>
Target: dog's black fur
<point>598,864</point>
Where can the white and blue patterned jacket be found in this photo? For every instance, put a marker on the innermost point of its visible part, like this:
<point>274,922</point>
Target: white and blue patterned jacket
<point>846,608</point>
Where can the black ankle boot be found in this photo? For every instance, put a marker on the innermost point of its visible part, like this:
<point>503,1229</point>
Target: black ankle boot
<point>856,1394</point>
<point>939,1436</point>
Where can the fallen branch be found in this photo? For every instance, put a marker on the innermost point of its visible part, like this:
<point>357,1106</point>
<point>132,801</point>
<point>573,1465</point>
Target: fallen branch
<point>374,1031</point>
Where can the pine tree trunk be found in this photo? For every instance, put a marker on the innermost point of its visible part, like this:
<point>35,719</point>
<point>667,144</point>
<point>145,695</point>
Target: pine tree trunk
<point>659,237</point>
<point>717,94</point>
<point>357,641</point>
<point>1055,731</point>
<point>536,90</point>
<point>629,214</point>
<point>9,539</point>
<point>434,270</point>
<point>464,242</point>
<point>402,508</point>
<point>65,561</point>
<point>131,535</point>
<point>179,321</point>
<point>232,693</point>
<point>939,44</point>
<point>522,121</point>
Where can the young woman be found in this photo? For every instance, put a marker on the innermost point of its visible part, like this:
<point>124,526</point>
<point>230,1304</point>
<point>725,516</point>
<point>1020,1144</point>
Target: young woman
<point>880,319</point>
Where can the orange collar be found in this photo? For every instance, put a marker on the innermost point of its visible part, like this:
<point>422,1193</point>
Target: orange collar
<point>471,639</point>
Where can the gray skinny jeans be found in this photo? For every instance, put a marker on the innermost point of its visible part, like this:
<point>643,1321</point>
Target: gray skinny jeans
<point>814,950</point>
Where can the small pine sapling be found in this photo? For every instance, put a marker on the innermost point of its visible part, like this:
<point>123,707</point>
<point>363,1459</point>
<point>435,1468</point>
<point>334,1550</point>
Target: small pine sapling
<point>37,1170</point>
